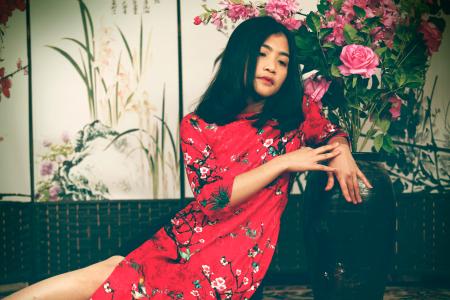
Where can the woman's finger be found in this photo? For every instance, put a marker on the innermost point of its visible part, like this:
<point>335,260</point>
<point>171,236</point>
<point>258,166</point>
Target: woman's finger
<point>318,167</point>
<point>356,189</point>
<point>364,178</point>
<point>325,148</point>
<point>351,189</point>
<point>344,189</point>
<point>327,156</point>
<point>330,182</point>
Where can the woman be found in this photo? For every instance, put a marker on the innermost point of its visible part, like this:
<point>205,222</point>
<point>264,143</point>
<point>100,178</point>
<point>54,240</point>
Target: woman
<point>241,147</point>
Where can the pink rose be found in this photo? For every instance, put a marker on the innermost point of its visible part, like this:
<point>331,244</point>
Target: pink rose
<point>315,88</point>
<point>396,107</point>
<point>358,59</point>
<point>197,20</point>
<point>431,35</point>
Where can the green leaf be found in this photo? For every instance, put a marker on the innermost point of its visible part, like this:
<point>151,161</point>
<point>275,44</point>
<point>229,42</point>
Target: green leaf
<point>371,132</point>
<point>378,142</point>
<point>313,22</point>
<point>335,71</point>
<point>322,8</point>
<point>338,4</point>
<point>388,146</point>
<point>328,45</point>
<point>400,78</point>
<point>350,34</point>
<point>354,81</point>
<point>185,255</point>
<point>383,124</point>
<point>127,46</point>
<point>360,13</point>
<point>371,21</point>
<point>72,62</point>
<point>302,42</point>
<point>324,32</point>
<point>380,51</point>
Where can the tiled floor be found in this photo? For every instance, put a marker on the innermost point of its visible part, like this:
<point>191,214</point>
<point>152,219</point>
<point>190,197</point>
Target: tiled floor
<point>298,292</point>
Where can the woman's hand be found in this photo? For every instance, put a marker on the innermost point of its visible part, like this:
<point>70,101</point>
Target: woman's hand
<point>306,158</point>
<point>347,173</point>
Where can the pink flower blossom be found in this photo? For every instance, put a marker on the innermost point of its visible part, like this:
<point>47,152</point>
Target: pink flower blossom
<point>46,143</point>
<point>337,36</point>
<point>281,9</point>
<point>5,83</point>
<point>315,88</point>
<point>216,19</point>
<point>349,12</point>
<point>380,34</point>
<point>46,168</point>
<point>197,20</point>
<point>219,284</point>
<point>268,142</point>
<point>358,59</point>
<point>54,191</point>
<point>396,107</point>
<point>240,11</point>
<point>431,35</point>
<point>291,23</point>
<point>65,137</point>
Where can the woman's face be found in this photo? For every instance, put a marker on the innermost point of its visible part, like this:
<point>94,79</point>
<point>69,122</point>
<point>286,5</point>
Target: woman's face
<point>271,65</point>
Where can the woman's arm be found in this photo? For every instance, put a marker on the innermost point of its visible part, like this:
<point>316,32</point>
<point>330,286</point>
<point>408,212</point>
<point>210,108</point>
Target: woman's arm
<point>304,159</point>
<point>217,189</point>
<point>318,130</point>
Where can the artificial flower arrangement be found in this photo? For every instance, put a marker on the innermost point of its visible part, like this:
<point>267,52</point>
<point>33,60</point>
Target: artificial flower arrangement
<point>365,60</point>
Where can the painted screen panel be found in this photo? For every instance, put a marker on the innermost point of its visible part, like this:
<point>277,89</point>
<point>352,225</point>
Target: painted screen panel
<point>105,94</point>
<point>14,110</point>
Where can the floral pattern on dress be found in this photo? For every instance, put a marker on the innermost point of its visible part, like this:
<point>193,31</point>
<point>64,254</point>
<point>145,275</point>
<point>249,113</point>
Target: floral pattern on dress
<point>210,249</point>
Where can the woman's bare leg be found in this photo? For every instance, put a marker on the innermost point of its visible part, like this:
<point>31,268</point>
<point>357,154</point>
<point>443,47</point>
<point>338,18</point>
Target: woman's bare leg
<point>75,285</point>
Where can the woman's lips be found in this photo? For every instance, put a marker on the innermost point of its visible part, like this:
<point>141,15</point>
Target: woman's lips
<point>267,80</point>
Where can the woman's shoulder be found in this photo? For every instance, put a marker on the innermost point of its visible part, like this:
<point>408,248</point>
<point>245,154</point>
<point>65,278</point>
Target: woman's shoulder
<point>192,120</point>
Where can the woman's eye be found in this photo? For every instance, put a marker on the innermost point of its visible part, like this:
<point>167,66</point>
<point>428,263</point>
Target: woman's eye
<point>262,54</point>
<point>283,63</point>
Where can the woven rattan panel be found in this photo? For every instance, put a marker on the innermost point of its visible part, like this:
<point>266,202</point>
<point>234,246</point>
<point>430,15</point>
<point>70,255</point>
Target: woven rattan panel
<point>64,236</point>
<point>73,235</point>
<point>423,237</point>
<point>15,242</point>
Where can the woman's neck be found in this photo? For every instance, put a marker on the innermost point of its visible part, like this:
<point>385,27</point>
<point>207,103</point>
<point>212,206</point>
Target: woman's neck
<point>254,106</point>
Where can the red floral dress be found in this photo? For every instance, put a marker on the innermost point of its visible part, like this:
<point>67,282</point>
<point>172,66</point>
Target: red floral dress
<point>210,250</point>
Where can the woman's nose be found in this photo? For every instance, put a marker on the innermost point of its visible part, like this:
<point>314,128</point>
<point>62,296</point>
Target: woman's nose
<point>269,67</point>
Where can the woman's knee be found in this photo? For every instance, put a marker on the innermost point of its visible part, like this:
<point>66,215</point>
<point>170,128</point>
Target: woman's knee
<point>95,274</point>
<point>113,261</point>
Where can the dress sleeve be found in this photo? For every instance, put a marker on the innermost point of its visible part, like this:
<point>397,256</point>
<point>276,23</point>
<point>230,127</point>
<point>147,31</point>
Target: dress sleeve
<point>316,129</point>
<point>211,183</point>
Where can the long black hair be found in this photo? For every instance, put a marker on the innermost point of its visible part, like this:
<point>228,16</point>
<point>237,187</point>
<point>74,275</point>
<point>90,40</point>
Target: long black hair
<point>227,94</point>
